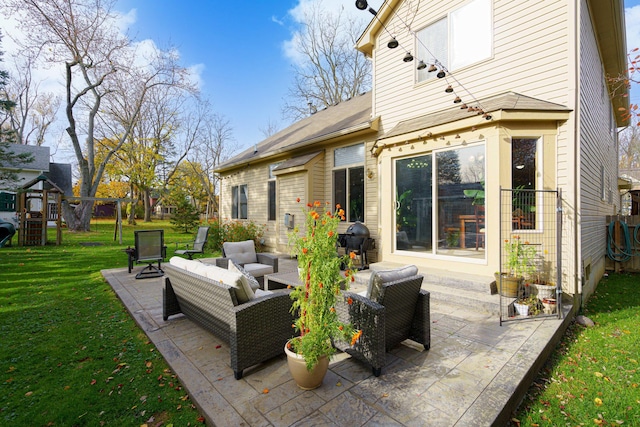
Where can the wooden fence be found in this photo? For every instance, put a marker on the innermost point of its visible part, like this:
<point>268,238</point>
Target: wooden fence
<point>623,245</point>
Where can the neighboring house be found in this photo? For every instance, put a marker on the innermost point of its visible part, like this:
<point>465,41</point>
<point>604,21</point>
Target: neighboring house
<point>57,173</point>
<point>406,158</point>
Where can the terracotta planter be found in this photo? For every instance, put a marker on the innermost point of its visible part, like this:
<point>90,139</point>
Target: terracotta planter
<point>306,380</point>
<point>508,286</point>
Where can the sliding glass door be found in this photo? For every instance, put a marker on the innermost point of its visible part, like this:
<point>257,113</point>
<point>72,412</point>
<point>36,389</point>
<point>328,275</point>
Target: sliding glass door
<point>439,202</point>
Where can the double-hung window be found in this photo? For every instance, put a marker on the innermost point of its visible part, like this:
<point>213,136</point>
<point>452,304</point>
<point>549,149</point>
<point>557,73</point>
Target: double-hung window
<point>348,181</point>
<point>463,37</point>
<point>239,201</point>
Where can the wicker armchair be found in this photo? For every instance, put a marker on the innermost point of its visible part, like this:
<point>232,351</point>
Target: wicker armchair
<point>401,313</point>
<point>244,254</point>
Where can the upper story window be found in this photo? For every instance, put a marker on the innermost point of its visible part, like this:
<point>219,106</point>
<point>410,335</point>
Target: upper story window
<point>239,201</point>
<point>348,181</point>
<point>462,38</point>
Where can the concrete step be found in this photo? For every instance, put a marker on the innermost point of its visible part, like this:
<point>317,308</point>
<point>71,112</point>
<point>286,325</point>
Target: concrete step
<point>463,298</point>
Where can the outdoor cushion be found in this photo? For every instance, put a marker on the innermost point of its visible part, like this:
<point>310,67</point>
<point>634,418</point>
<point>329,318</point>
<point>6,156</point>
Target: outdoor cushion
<point>258,270</point>
<point>248,281</point>
<point>230,278</point>
<point>179,262</point>
<point>240,252</point>
<point>378,278</point>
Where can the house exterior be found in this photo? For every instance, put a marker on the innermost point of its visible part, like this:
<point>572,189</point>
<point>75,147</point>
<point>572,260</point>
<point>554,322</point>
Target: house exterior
<point>512,95</point>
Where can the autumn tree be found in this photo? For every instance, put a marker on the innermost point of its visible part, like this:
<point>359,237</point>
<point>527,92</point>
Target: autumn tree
<point>215,144</point>
<point>329,69</point>
<point>82,37</point>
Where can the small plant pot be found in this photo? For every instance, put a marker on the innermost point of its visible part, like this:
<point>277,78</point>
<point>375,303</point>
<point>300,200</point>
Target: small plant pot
<point>549,305</point>
<point>545,291</point>
<point>521,309</point>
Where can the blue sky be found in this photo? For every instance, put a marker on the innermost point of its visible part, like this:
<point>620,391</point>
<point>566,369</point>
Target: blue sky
<point>239,47</point>
<point>239,50</point>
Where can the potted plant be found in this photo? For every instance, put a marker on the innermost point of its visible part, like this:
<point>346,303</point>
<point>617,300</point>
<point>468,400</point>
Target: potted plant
<point>520,257</point>
<point>314,302</point>
<point>528,305</point>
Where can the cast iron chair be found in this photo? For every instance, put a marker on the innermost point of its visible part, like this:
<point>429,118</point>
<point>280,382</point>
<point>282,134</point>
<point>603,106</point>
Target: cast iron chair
<point>197,246</point>
<point>149,248</point>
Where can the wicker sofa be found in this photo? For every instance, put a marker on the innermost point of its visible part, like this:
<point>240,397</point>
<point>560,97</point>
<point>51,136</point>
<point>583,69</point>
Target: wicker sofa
<point>256,330</point>
<point>394,309</point>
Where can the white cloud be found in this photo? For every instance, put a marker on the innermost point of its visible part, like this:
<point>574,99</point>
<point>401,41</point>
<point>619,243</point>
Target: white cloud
<point>297,16</point>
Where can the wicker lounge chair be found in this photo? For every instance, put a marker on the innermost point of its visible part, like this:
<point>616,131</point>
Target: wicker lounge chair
<point>244,254</point>
<point>401,312</point>
<point>196,246</point>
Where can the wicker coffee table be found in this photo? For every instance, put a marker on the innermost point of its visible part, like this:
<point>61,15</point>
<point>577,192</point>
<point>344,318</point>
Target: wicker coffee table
<point>281,280</point>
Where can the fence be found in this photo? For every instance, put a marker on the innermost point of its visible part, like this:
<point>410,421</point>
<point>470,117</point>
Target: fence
<point>623,243</point>
<point>529,281</point>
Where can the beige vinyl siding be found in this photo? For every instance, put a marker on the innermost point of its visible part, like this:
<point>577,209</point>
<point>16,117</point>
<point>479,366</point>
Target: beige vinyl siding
<point>597,149</point>
<point>290,187</point>
<point>530,57</point>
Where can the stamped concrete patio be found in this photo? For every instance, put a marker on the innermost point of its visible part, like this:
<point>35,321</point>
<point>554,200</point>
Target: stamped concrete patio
<point>475,373</point>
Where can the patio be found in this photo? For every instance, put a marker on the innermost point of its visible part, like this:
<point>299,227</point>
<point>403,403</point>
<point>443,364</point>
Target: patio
<point>475,373</point>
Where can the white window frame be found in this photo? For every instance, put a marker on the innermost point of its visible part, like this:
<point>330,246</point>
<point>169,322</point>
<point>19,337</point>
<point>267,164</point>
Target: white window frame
<point>469,38</point>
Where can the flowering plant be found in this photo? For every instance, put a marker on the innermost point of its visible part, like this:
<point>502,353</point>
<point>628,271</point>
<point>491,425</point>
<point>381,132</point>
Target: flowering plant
<point>520,257</point>
<point>314,302</point>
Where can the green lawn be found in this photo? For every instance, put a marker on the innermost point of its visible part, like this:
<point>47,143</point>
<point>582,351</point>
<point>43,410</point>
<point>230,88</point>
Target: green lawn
<point>592,378</point>
<point>70,353</point>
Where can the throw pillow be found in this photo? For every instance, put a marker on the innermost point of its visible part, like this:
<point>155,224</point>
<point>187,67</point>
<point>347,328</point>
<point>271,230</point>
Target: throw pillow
<point>246,279</point>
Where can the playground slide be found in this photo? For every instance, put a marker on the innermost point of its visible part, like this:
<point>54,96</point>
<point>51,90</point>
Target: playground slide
<point>7,230</point>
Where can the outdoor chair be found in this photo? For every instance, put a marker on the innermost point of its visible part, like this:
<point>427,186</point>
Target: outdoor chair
<point>244,254</point>
<point>394,309</point>
<point>196,246</point>
<point>149,248</point>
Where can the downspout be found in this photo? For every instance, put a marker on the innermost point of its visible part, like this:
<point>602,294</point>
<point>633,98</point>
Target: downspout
<point>577,298</point>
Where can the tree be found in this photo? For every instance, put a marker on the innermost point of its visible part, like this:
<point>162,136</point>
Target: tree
<point>186,216</point>
<point>83,37</point>
<point>629,141</point>
<point>34,111</point>
<point>9,161</point>
<point>329,70</point>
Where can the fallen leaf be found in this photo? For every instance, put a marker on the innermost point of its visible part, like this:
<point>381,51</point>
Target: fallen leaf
<point>29,393</point>
<point>597,401</point>
<point>265,391</point>
<point>93,381</point>
<point>598,374</point>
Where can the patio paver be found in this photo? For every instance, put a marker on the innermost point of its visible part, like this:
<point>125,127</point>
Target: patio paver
<point>474,374</point>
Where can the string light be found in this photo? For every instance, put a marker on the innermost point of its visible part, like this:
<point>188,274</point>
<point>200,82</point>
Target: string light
<point>435,65</point>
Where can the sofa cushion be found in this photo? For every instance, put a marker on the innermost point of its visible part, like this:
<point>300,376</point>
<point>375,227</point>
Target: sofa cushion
<point>258,270</point>
<point>180,262</point>
<point>240,252</point>
<point>248,281</point>
<point>378,278</point>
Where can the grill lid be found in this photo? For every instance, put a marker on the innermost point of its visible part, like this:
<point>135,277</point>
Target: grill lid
<point>358,229</point>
